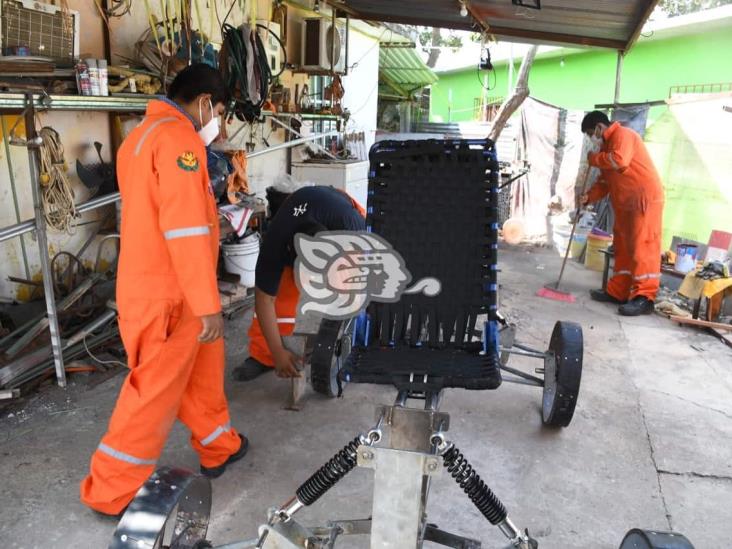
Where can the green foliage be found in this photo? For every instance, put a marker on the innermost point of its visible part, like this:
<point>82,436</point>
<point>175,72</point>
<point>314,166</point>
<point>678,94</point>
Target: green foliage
<point>428,39</point>
<point>682,7</point>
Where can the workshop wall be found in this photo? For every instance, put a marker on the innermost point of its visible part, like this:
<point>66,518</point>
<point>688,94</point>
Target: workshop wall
<point>78,130</point>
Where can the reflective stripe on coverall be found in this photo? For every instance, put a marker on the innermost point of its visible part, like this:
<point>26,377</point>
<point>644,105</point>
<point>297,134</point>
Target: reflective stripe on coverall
<point>166,280</point>
<point>636,194</point>
<point>285,308</point>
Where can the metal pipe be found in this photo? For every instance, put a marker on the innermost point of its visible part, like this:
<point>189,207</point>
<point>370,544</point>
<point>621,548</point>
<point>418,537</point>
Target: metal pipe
<point>246,544</point>
<point>533,354</point>
<point>14,190</point>
<point>291,129</point>
<point>292,143</point>
<point>401,399</point>
<point>6,233</point>
<point>98,202</point>
<point>533,379</point>
<point>33,164</point>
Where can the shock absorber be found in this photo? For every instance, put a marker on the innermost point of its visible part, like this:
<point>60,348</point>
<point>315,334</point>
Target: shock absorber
<point>337,467</point>
<point>480,493</point>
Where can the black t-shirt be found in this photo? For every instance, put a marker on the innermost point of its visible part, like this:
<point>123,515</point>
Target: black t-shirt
<point>309,210</point>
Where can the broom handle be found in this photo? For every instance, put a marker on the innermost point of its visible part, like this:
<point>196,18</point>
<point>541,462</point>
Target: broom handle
<point>574,225</point>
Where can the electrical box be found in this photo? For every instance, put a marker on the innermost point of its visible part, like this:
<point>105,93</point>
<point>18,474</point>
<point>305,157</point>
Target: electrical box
<point>44,30</point>
<point>271,45</point>
<point>321,43</point>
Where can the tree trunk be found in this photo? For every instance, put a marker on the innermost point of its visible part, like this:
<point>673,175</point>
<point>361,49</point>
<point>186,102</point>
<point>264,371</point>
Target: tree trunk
<point>520,92</point>
<point>435,50</point>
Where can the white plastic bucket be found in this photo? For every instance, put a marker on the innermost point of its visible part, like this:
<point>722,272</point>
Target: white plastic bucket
<point>241,259</point>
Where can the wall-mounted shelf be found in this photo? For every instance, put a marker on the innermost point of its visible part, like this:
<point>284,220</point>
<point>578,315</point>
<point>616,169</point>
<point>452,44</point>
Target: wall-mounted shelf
<point>112,103</point>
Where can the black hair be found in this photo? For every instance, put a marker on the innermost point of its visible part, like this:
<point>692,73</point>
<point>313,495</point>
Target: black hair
<point>197,79</point>
<point>592,119</point>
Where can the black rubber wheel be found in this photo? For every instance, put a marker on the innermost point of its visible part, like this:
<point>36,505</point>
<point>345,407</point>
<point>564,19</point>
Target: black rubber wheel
<point>331,349</point>
<point>649,539</point>
<point>562,374</point>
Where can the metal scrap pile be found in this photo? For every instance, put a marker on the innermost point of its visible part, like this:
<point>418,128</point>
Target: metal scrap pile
<point>87,322</point>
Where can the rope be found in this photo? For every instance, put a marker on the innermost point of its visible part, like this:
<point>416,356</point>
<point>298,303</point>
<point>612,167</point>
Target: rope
<point>56,192</point>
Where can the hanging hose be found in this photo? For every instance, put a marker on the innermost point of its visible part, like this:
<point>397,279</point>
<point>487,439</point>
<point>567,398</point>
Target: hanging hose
<point>329,474</point>
<point>56,192</point>
<point>477,490</point>
<point>250,90</point>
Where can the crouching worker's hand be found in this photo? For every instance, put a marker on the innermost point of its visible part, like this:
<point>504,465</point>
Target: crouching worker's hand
<point>213,328</point>
<point>287,364</point>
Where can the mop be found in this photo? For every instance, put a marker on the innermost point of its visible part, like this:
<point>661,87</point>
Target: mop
<point>551,290</point>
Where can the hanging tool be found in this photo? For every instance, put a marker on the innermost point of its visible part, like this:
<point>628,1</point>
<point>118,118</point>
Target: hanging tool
<point>552,291</point>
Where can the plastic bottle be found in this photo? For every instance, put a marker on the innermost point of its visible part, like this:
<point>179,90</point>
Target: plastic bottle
<point>103,77</point>
<point>93,76</point>
<point>82,78</point>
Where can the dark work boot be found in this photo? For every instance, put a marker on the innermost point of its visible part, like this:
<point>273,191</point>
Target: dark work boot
<point>251,369</point>
<point>639,305</point>
<point>216,472</point>
<point>603,296</point>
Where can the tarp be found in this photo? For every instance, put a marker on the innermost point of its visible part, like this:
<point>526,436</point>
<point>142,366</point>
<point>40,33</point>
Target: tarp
<point>551,141</point>
<point>691,146</point>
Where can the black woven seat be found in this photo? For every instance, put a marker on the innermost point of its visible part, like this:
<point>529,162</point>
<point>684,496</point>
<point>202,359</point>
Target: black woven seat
<point>436,202</point>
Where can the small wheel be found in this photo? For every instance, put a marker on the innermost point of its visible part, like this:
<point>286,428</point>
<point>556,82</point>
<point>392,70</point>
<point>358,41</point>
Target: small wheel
<point>171,510</point>
<point>562,374</point>
<point>648,539</point>
<point>331,349</point>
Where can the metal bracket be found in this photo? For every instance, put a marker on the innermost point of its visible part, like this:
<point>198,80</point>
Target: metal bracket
<point>411,428</point>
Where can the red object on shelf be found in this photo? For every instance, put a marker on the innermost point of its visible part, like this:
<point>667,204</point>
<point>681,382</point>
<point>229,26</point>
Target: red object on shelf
<point>719,247</point>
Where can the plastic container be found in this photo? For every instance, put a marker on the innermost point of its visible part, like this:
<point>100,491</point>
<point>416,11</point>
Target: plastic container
<point>579,241</point>
<point>83,83</point>
<point>686,257</point>
<point>594,260</point>
<point>93,75</point>
<point>103,77</point>
<point>241,259</point>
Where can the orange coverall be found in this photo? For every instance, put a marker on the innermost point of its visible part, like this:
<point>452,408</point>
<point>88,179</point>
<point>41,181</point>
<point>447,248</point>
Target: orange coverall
<point>166,280</point>
<point>636,194</point>
<point>286,309</point>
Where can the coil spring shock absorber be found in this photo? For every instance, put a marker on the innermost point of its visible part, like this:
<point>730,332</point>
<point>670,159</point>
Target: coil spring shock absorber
<point>329,474</point>
<point>471,483</point>
<point>479,493</point>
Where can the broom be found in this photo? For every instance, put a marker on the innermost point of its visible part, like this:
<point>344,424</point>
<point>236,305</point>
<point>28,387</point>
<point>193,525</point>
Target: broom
<point>551,290</point>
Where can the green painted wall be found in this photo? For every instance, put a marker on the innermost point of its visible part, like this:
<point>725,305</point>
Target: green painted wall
<point>588,78</point>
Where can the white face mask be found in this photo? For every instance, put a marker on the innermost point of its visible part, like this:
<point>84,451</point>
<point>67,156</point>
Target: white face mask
<point>210,130</point>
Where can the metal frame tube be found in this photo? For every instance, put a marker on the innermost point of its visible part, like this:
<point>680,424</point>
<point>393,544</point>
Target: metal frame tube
<point>28,226</point>
<point>14,190</point>
<point>33,163</point>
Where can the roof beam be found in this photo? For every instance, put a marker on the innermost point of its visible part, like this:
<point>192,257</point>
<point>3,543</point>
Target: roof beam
<point>496,29</point>
<point>645,14</point>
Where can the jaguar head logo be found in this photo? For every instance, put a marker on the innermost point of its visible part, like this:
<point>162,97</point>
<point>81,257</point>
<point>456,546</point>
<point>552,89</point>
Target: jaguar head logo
<point>338,273</point>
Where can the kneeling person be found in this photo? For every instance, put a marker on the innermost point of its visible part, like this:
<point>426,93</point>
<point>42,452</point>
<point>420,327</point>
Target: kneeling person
<point>308,210</point>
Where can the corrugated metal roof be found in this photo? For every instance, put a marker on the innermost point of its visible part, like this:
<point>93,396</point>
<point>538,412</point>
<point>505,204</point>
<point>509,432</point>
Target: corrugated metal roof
<point>604,23</point>
<point>402,70</point>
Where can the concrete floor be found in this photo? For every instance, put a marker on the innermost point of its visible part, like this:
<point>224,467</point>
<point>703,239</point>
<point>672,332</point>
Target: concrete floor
<point>650,444</point>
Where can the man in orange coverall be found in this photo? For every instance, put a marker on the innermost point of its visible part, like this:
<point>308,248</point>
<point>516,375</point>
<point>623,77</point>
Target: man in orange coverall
<point>627,174</point>
<point>169,307</point>
<point>308,210</point>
